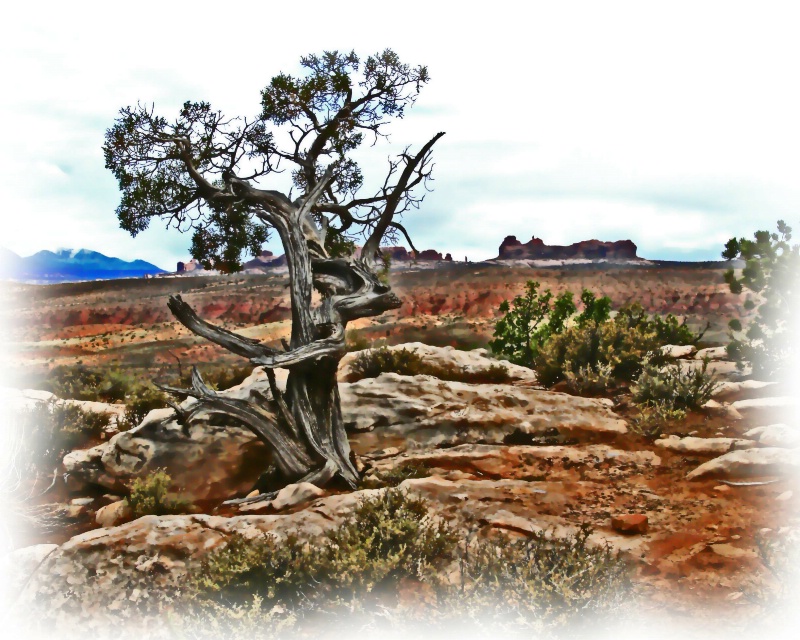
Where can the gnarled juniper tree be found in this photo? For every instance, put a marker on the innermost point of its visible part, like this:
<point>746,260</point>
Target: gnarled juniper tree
<point>207,172</point>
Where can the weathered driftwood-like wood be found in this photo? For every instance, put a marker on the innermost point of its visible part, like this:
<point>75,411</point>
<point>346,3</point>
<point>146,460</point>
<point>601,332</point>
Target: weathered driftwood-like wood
<point>202,164</point>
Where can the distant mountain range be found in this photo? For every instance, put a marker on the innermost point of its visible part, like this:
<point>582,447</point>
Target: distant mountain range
<point>67,265</point>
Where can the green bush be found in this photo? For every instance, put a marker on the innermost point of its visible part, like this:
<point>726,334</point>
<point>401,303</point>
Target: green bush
<point>594,348</point>
<point>655,417</point>
<point>391,538</point>
<point>80,382</point>
<point>356,342</point>
<point>667,330</point>
<point>772,271</point>
<point>674,386</point>
<point>150,496</point>
<point>218,378</point>
<point>522,331</point>
<point>388,537</point>
<point>407,362</point>
<point>541,578</point>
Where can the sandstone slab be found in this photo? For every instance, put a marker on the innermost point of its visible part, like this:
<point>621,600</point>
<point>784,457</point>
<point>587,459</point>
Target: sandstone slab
<point>703,446</point>
<point>424,412</point>
<point>775,435</point>
<point>750,462</point>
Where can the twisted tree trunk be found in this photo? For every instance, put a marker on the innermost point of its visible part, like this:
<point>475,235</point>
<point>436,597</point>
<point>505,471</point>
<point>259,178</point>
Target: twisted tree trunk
<point>303,426</point>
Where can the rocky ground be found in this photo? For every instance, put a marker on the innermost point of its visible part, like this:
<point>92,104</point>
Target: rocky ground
<point>126,323</point>
<point>690,511</point>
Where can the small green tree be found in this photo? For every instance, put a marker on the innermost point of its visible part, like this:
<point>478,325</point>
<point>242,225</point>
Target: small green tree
<point>533,319</point>
<point>772,271</point>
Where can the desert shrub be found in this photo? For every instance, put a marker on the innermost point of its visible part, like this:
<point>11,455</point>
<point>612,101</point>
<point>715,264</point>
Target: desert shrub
<point>595,347</point>
<point>522,331</point>
<point>589,378</point>
<point>374,362</point>
<point>667,329</point>
<point>391,538</point>
<point>771,271</point>
<point>594,309</point>
<point>654,418</point>
<point>150,496</point>
<point>542,578</point>
<point>80,382</point>
<point>674,386</point>
<point>52,430</point>
<point>388,537</point>
<point>407,362</point>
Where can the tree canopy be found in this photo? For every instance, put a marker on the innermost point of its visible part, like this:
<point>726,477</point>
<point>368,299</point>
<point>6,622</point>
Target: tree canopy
<point>206,172</point>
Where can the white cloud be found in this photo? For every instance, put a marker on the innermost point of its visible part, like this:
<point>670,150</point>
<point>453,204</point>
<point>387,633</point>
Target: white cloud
<point>676,122</point>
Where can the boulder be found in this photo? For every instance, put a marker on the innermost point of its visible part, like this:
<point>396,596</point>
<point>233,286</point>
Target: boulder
<point>775,435</point>
<point>712,353</point>
<point>750,462</point>
<point>160,442</point>
<point>113,514</point>
<point>423,412</point>
<point>703,446</point>
<point>678,351</point>
<point>297,494</point>
<point>781,406</point>
<point>745,389</point>
<point>131,572</point>
<point>630,523</point>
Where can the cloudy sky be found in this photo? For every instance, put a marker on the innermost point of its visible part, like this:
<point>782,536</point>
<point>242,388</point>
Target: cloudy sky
<point>672,124</point>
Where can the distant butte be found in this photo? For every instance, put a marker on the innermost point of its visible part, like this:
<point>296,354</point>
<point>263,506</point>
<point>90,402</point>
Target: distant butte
<point>536,249</point>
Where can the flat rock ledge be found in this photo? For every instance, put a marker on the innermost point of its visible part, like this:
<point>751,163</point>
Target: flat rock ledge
<point>424,412</point>
<point>750,462</point>
<point>712,446</point>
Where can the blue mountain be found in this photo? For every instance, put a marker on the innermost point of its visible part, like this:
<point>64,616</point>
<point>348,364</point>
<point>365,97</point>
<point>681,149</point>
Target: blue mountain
<point>66,265</point>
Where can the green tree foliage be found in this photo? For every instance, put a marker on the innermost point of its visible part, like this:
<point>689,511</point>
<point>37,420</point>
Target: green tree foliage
<point>186,171</point>
<point>534,318</point>
<point>772,272</point>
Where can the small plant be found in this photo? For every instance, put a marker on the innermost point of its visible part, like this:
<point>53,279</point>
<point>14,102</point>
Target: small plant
<point>667,330</point>
<point>674,386</point>
<point>374,362</point>
<point>356,341</point>
<point>150,496</point>
<point>654,418</point>
<point>589,378</point>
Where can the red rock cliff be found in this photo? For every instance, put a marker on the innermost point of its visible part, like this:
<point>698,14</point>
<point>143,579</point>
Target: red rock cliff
<point>536,249</point>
